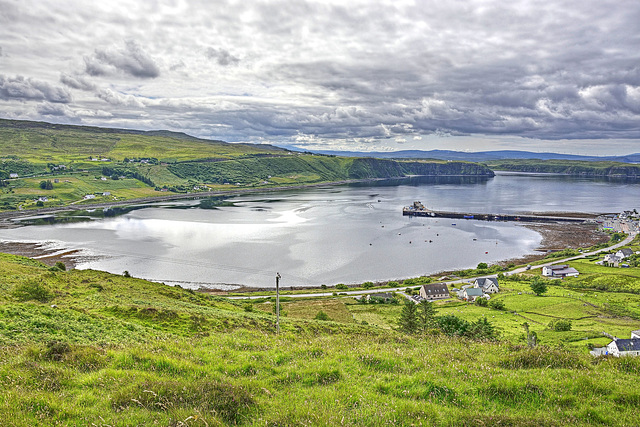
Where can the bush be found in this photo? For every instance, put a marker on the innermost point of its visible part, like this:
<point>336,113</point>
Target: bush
<point>482,266</point>
<point>368,285</point>
<point>482,302</point>
<point>341,286</point>
<point>322,316</point>
<point>497,304</point>
<point>60,266</point>
<point>560,325</point>
<point>32,291</point>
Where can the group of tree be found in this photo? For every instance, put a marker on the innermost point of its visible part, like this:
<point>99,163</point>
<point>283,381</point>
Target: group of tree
<point>115,173</point>
<point>421,319</point>
<point>46,185</point>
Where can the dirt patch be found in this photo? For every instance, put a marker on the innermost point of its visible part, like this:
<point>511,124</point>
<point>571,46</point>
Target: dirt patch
<point>47,256</point>
<point>559,236</point>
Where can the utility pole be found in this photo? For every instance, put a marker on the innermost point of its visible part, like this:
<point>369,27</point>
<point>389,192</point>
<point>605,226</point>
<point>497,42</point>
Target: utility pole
<point>277,303</point>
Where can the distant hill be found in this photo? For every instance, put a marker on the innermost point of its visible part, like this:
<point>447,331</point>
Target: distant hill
<point>480,156</point>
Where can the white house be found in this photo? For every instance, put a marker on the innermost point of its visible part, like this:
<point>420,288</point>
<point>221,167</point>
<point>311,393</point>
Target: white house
<point>90,196</point>
<point>635,334</point>
<point>623,253</point>
<point>13,175</point>
<point>470,294</point>
<point>434,291</point>
<point>624,347</point>
<point>559,271</point>
<point>489,285</point>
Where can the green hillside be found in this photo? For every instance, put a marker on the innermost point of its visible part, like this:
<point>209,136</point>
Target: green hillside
<point>569,167</point>
<point>91,348</point>
<point>98,165</point>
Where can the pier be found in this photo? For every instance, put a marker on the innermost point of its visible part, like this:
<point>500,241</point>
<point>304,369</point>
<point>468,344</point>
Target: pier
<point>417,209</point>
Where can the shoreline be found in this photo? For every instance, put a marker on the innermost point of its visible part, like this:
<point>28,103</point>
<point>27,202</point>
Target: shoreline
<point>555,236</point>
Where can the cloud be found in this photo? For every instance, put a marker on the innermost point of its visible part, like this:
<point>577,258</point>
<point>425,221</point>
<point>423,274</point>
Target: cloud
<point>48,109</point>
<point>118,99</point>
<point>76,82</point>
<point>132,60</point>
<point>223,57</point>
<point>23,88</point>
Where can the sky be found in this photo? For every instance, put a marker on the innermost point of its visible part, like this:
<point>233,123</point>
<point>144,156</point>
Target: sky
<point>472,75</point>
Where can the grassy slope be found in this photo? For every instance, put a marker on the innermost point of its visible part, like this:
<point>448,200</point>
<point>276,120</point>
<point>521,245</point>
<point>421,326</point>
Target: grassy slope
<point>119,351</point>
<point>184,164</point>
<point>570,167</point>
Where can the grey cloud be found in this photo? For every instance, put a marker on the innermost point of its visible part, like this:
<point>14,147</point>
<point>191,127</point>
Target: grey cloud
<point>48,109</point>
<point>120,100</point>
<point>23,88</point>
<point>223,57</point>
<point>77,82</point>
<point>131,60</point>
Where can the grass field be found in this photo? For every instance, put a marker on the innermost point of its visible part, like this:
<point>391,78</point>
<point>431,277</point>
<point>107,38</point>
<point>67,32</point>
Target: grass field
<point>86,347</point>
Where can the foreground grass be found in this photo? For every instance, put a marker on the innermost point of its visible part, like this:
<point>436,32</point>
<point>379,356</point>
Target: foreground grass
<point>86,347</point>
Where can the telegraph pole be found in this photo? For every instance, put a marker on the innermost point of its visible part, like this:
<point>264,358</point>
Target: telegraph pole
<point>277,303</point>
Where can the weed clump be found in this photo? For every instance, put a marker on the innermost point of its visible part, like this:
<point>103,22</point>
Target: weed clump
<point>212,398</point>
<point>32,291</point>
<point>541,357</point>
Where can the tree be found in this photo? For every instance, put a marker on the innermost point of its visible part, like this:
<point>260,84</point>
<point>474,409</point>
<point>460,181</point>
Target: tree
<point>46,185</point>
<point>408,318</point>
<point>452,325</point>
<point>560,325</point>
<point>538,286</point>
<point>426,315</point>
<point>482,266</point>
<point>482,329</point>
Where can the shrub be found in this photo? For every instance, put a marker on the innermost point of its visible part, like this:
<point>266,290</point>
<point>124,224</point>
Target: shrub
<point>341,286</point>
<point>560,325</point>
<point>482,302</point>
<point>368,285</point>
<point>60,266</point>
<point>497,304</point>
<point>32,291</point>
<point>322,316</point>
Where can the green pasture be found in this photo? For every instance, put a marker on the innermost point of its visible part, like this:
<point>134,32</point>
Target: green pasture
<point>88,347</point>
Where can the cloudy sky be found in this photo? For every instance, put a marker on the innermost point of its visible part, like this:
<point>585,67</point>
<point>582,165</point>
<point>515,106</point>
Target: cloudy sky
<point>471,75</point>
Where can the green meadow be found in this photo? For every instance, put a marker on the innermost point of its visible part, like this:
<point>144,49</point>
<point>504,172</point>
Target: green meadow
<point>92,348</point>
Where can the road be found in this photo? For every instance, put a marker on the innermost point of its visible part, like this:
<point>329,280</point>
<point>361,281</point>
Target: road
<point>625,242</point>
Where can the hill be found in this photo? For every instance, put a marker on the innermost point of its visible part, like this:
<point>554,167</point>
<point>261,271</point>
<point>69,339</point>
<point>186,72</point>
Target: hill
<point>86,347</point>
<point>479,156</point>
<point>89,165</point>
<point>580,168</point>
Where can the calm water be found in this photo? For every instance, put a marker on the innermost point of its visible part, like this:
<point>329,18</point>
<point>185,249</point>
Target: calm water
<point>329,235</point>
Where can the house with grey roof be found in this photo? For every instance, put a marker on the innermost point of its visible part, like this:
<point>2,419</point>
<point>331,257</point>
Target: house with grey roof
<point>624,347</point>
<point>470,294</point>
<point>559,271</point>
<point>489,285</point>
<point>623,253</point>
<point>434,291</point>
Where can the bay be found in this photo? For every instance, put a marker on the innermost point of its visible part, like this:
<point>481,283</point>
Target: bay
<point>329,235</point>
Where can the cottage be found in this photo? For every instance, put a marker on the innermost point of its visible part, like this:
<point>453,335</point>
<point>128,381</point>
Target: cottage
<point>13,175</point>
<point>623,253</point>
<point>635,334</point>
<point>559,271</point>
<point>624,347</point>
<point>434,291</point>
<point>489,285</point>
<point>470,294</point>
<point>90,196</point>
<point>106,193</point>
